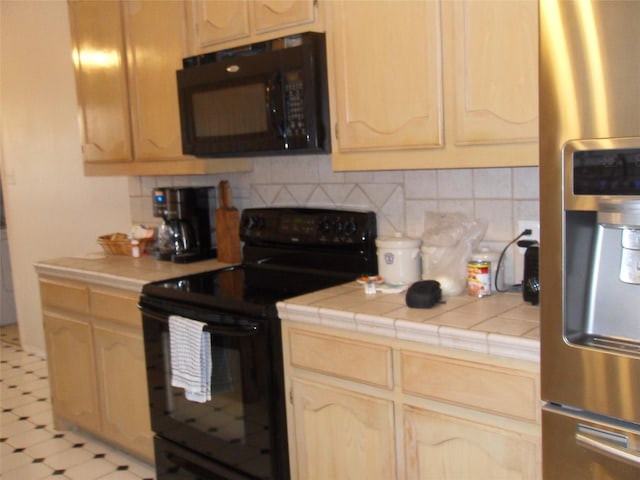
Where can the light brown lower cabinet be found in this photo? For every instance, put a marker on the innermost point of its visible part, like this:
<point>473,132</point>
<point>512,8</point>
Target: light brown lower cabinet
<point>401,410</point>
<point>444,446</point>
<point>74,391</point>
<point>95,355</point>
<point>342,434</point>
<point>120,363</point>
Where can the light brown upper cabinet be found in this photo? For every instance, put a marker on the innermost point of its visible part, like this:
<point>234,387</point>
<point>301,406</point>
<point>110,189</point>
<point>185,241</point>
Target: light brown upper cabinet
<point>126,54</point>
<point>100,61</point>
<point>387,74</point>
<point>494,50</point>
<point>428,84</point>
<point>220,24</point>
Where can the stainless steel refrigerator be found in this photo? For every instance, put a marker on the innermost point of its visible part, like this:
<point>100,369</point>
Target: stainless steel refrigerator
<point>590,238</point>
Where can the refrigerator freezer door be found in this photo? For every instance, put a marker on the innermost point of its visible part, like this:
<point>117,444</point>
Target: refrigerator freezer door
<point>589,102</point>
<point>582,447</point>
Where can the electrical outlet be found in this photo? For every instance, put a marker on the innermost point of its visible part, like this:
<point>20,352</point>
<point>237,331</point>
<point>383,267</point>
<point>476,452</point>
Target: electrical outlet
<point>534,226</point>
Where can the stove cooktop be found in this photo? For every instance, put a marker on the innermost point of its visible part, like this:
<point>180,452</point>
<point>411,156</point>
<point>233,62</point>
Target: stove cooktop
<point>249,289</point>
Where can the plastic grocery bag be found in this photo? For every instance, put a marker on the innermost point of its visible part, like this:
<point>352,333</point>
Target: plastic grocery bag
<point>447,243</point>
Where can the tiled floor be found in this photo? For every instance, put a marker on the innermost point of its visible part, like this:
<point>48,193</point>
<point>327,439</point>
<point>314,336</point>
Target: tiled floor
<point>30,448</point>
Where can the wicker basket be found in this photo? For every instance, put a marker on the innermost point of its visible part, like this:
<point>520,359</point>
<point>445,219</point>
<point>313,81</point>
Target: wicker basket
<point>120,244</point>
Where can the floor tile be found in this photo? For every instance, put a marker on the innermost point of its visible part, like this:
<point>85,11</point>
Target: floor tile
<point>93,469</point>
<point>120,475</point>
<point>31,408</point>
<point>28,437</point>
<point>13,460</point>
<point>42,418</point>
<point>68,458</point>
<point>48,447</point>
<point>16,428</point>
<point>31,448</point>
<point>30,471</point>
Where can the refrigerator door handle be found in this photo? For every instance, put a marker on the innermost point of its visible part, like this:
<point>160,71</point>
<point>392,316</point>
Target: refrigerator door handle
<point>611,444</point>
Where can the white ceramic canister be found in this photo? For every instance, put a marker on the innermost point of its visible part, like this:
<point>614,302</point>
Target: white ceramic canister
<point>399,259</point>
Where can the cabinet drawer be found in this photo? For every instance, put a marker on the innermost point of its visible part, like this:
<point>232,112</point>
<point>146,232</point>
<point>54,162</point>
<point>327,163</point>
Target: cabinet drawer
<point>67,295</point>
<point>348,359</point>
<point>504,391</point>
<point>116,305</point>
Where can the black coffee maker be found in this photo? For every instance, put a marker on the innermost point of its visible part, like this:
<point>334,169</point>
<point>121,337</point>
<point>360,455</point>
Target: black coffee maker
<point>187,232</point>
<point>531,282</point>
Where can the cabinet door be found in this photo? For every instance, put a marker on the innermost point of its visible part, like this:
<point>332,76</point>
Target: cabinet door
<point>123,385</point>
<point>156,45</point>
<point>275,14</point>
<point>494,59</point>
<point>99,59</point>
<point>387,72</point>
<point>449,448</point>
<point>71,361</point>
<point>340,434</point>
<point>218,21</point>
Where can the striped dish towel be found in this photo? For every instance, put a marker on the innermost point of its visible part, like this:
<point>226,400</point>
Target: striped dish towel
<point>191,364</point>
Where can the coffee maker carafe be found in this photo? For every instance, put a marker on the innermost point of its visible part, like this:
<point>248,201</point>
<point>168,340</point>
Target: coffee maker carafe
<point>187,232</point>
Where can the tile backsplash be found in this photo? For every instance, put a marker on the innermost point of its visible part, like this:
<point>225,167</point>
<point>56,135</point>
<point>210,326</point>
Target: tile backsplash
<point>501,196</point>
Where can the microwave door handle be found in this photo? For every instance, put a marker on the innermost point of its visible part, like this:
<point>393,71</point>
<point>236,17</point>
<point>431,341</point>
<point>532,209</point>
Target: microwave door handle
<point>275,106</point>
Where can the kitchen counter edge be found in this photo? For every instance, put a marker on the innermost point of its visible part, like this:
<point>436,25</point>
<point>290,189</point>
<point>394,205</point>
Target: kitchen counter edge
<point>119,271</point>
<point>500,325</point>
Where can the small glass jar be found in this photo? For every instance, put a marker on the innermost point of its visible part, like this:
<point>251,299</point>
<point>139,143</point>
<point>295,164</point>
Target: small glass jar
<point>135,248</point>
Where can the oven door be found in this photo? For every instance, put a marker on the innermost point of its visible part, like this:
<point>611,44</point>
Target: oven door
<point>239,427</point>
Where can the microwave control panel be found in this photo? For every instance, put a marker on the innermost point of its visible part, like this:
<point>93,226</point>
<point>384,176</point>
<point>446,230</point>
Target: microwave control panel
<point>294,102</point>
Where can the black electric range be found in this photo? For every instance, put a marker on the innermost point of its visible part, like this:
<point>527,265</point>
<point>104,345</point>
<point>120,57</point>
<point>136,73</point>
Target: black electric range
<point>240,433</point>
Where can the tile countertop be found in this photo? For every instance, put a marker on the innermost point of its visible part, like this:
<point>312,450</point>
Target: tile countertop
<point>121,271</point>
<point>501,324</point>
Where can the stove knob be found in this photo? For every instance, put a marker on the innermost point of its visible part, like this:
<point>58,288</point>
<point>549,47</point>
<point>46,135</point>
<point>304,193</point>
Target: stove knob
<point>248,222</point>
<point>338,227</point>
<point>324,227</point>
<point>259,223</point>
<point>350,227</point>
<point>253,222</point>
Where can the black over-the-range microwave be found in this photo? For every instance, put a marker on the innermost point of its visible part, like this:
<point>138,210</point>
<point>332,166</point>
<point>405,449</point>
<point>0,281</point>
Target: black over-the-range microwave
<point>267,98</point>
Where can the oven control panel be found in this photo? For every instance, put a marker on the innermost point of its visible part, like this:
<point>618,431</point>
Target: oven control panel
<point>308,226</point>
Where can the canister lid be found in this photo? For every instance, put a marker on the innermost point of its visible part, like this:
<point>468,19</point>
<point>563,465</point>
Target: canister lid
<point>398,240</point>
<point>483,254</point>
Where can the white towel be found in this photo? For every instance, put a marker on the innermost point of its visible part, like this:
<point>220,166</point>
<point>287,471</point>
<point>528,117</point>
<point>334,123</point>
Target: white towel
<point>190,348</point>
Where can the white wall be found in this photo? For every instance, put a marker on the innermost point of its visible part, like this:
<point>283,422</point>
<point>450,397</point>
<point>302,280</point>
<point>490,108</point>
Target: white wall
<point>52,208</point>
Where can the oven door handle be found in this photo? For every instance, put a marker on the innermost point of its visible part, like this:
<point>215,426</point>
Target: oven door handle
<point>241,329</point>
